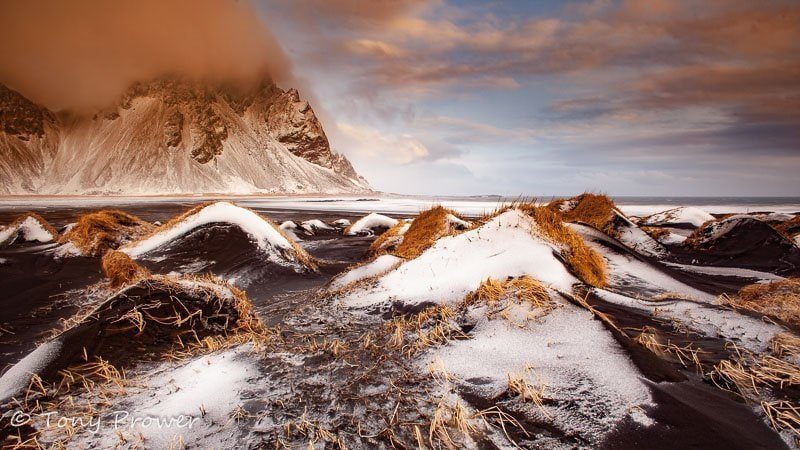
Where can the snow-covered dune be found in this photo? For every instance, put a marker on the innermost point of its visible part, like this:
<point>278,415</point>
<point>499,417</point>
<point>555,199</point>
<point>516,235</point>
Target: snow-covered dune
<point>505,246</point>
<point>370,222</point>
<point>28,228</point>
<point>684,215</point>
<point>267,236</point>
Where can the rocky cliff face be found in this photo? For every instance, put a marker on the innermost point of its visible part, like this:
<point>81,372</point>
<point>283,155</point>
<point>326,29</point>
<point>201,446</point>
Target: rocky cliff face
<point>173,136</point>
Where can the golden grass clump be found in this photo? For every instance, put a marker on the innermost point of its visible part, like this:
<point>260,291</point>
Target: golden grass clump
<point>120,269</point>
<point>425,230</point>
<point>388,241</point>
<point>595,210</point>
<point>95,233</point>
<point>582,260</point>
<point>520,290</point>
<point>656,232</point>
<point>789,228</point>
<point>527,391</point>
<point>778,299</point>
<point>489,291</point>
<point>44,223</point>
<point>785,344</point>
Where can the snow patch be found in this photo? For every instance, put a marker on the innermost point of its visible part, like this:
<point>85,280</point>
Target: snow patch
<point>341,223</point>
<point>684,214</point>
<point>315,225</point>
<point>29,230</point>
<point>380,265</point>
<point>589,383</point>
<point>366,224</point>
<point>18,377</point>
<point>289,228</point>
<point>457,223</point>
<point>750,333</point>
<point>672,239</point>
<point>636,239</point>
<point>728,271</point>
<point>67,250</point>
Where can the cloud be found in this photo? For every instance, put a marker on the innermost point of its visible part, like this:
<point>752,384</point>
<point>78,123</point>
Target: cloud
<point>652,87</point>
<point>368,143</point>
<point>84,53</point>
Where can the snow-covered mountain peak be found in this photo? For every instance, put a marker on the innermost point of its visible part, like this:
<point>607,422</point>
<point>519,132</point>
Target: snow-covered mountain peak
<point>174,135</point>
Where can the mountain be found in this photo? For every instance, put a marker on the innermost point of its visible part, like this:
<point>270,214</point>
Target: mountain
<point>172,136</point>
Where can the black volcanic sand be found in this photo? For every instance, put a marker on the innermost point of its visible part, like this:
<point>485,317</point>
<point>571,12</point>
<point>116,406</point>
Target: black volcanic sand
<point>38,290</point>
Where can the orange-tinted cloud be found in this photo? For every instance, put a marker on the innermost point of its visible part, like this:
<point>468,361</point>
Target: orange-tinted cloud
<point>83,53</point>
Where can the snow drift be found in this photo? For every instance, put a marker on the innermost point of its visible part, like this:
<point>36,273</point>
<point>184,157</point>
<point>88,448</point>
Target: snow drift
<point>507,245</point>
<point>684,216</point>
<point>369,223</point>
<point>28,227</point>
<point>268,237</point>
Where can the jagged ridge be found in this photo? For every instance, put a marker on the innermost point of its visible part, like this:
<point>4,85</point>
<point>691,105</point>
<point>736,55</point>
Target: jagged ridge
<point>173,136</point>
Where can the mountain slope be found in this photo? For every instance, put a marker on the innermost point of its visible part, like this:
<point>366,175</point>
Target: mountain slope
<point>173,136</point>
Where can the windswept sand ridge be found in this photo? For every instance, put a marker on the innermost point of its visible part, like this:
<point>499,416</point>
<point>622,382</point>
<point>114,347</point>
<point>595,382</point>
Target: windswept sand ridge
<point>267,236</point>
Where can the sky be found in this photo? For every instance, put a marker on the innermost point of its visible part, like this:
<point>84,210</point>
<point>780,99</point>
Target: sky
<point>647,97</point>
<point>462,97</point>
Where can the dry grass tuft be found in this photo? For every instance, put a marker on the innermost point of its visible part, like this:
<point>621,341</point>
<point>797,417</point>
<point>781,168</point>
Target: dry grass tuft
<point>527,391</point>
<point>524,288</point>
<point>502,298</point>
<point>95,233</point>
<point>120,269</point>
<point>656,232</point>
<point>489,291</point>
<point>778,299</point>
<point>785,344</point>
<point>432,326</point>
<point>783,415</point>
<point>596,210</point>
<point>425,230</point>
<point>789,228</point>
<point>388,241</point>
<point>446,418</point>
<point>747,373</point>
<point>45,224</point>
<point>686,355</point>
<point>583,261</point>
<point>529,290</point>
